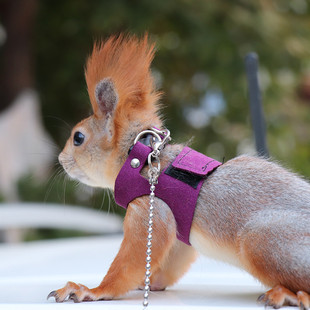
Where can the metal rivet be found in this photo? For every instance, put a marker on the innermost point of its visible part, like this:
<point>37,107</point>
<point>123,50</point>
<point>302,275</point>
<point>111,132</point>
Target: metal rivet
<point>135,163</point>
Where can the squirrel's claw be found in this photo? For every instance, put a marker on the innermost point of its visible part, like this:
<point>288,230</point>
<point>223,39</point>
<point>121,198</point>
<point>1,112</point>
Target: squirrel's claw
<point>75,292</point>
<point>67,291</point>
<point>261,298</point>
<point>303,300</point>
<point>55,295</point>
<point>73,297</point>
<point>51,294</point>
<point>268,302</point>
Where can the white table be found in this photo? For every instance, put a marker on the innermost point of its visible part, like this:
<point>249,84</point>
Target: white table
<point>29,271</point>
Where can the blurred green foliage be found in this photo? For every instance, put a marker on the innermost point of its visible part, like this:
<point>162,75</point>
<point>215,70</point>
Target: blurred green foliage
<point>201,47</point>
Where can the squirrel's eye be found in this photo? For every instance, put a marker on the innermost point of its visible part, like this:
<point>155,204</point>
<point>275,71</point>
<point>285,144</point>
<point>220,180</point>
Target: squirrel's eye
<point>78,138</point>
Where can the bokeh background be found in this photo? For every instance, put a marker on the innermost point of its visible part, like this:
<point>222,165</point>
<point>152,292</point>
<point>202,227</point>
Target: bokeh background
<point>199,66</point>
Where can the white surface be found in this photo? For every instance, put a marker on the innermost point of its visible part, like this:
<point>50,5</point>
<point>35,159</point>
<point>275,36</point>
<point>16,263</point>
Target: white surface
<point>29,271</point>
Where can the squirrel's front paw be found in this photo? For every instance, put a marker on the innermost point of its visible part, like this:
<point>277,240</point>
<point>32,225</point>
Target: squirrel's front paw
<point>76,292</point>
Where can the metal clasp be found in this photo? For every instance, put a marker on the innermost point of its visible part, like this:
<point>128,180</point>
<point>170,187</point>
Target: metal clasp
<point>154,170</point>
<point>157,142</point>
<point>160,138</point>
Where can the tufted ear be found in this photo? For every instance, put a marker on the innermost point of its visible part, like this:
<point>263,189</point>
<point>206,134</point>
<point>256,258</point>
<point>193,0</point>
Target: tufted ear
<point>106,97</point>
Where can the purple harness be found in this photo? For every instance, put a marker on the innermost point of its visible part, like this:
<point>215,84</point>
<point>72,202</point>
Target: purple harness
<point>178,184</point>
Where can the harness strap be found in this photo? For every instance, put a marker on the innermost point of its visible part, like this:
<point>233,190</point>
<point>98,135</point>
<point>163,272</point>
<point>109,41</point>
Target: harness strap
<point>180,196</point>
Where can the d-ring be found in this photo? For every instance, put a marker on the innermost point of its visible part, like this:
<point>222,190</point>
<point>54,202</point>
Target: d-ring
<point>142,133</point>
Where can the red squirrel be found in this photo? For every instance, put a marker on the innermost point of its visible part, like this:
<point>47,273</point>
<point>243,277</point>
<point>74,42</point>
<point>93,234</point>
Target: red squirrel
<point>250,212</point>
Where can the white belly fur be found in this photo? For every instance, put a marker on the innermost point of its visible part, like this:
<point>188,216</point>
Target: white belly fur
<point>210,249</point>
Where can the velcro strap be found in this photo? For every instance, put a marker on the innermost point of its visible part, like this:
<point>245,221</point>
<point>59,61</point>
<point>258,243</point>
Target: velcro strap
<point>194,162</point>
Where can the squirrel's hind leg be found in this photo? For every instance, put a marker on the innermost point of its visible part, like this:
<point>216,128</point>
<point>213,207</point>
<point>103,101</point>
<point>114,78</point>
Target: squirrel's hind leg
<point>273,247</point>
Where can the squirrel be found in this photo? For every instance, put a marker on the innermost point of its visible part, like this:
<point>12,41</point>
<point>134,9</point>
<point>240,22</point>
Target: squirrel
<point>250,211</point>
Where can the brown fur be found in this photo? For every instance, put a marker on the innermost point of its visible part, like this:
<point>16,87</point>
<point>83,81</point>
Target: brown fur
<point>250,212</point>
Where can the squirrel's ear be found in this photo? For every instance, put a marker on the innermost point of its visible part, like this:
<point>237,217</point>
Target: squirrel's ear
<point>106,97</point>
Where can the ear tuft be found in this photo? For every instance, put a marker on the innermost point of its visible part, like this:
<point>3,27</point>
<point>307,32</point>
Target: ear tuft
<point>106,96</point>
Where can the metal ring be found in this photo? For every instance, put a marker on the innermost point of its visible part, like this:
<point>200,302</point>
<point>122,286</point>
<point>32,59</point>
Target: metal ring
<point>165,133</point>
<point>156,135</point>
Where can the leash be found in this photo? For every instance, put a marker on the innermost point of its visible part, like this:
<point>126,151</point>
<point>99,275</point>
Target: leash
<point>157,143</point>
<point>178,185</point>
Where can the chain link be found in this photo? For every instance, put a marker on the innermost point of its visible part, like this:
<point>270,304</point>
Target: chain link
<point>149,246</point>
<point>153,174</point>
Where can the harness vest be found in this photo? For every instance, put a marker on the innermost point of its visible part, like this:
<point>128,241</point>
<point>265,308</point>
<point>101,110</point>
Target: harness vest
<point>178,184</point>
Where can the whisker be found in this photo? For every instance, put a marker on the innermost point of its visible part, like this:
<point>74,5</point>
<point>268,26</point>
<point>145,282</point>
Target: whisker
<point>65,181</point>
<point>77,183</point>
<point>109,202</point>
<point>51,182</point>
<point>103,199</point>
<point>111,199</point>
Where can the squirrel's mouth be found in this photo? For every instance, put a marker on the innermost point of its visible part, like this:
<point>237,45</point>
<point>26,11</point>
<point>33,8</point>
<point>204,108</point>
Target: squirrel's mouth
<point>72,170</point>
<point>76,174</point>
<point>80,176</point>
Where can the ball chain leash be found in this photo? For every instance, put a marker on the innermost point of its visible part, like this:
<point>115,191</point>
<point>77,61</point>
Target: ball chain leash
<point>157,145</point>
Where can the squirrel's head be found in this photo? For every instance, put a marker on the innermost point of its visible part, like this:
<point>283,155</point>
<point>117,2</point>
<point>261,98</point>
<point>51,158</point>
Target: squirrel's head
<point>124,102</point>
